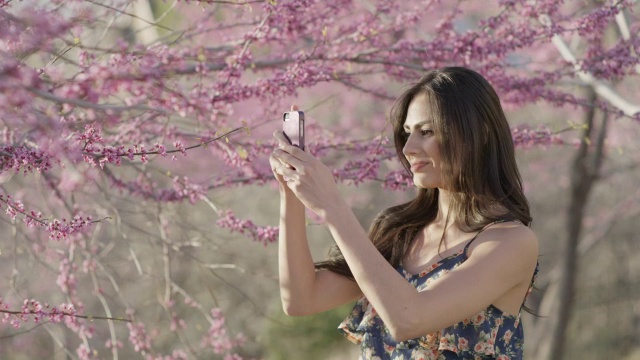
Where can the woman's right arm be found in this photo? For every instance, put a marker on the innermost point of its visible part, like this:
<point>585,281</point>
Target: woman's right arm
<point>303,290</point>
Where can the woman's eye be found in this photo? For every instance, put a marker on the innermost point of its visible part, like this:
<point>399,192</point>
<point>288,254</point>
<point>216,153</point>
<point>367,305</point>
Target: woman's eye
<point>423,132</point>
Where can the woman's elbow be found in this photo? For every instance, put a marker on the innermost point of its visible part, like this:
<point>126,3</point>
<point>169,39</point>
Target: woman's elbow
<point>398,334</point>
<point>292,309</point>
<point>400,337</point>
<point>403,331</point>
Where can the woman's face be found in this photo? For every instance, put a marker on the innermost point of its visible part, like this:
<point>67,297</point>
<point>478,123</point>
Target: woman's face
<point>421,149</point>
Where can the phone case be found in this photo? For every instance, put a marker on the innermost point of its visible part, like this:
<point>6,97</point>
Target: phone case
<point>293,127</point>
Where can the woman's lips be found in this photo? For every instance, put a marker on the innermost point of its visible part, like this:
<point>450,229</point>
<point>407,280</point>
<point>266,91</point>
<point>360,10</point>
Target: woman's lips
<point>418,165</point>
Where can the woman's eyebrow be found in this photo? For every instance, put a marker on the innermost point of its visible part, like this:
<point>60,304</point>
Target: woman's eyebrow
<point>417,125</point>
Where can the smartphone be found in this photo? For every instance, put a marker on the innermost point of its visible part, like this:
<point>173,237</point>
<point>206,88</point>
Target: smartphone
<point>293,127</point>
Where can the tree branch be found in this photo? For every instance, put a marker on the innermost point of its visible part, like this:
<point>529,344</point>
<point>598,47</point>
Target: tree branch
<point>45,314</point>
<point>603,89</point>
<point>623,26</point>
<point>90,105</point>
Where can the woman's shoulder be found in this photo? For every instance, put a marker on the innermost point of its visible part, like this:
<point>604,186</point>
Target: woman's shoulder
<point>510,237</point>
<point>502,230</point>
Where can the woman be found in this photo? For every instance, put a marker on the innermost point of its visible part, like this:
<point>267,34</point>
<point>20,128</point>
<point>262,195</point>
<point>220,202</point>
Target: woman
<point>443,276</point>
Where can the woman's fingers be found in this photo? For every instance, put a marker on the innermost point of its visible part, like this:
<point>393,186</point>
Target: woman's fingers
<point>274,162</point>
<point>287,173</point>
<point>288,159</point>
<point>284,173</point>
<point>277,166</point>
<point>284,144</point>
<point>282,140</point>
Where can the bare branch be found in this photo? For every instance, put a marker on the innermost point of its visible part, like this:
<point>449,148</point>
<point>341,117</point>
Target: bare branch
<point>623,26</point>
<point>601,88</point>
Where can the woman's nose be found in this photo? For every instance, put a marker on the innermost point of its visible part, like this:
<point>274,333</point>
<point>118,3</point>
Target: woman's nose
<point>409,147</point>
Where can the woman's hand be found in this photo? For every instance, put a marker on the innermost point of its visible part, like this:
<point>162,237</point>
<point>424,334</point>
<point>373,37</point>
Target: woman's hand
<point>309,179</point>
<point>276,164</point>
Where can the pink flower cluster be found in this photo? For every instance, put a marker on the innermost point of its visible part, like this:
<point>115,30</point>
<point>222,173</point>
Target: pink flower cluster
<point>177,354</point>
<point>182,188</point>
<point>398,180</point>
<point>93,148</point>
<point>33,311</point>
<point>24,33</point>
<point>289,18</point>
<point>66,280</point>
<point>613,63</point>
<point>57,229</point>
<point>358,171</point>
<point>264,234</point>
<point>24,158</point>
<point>596,20</point>
<point>217,338</point>
<point>85,353</point>
<point>525,138</point>
<point>62,229</point>
<point>139,337</point>
<point>281,83</point>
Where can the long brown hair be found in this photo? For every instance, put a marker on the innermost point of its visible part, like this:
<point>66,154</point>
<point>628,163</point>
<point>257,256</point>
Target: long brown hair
<point>478,159</point>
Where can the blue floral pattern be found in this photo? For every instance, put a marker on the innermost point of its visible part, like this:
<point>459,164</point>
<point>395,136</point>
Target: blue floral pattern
<point>490,334</point>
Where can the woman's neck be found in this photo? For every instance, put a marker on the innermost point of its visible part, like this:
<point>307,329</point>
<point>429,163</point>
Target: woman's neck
<point>444,218</point>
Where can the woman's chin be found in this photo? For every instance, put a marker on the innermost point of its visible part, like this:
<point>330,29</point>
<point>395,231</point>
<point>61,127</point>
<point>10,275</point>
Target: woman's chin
<point>426,183</point>
<point>422,185</point>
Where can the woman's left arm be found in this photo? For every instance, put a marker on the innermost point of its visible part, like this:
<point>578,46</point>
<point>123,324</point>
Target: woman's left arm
<point>501,259</point>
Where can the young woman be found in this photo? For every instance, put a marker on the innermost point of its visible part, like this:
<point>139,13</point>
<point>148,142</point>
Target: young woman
<point>443,276</point>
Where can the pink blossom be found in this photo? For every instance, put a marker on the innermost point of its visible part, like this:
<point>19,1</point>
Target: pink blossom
<point>524,137</point>
<point>217,338</point>
<point>138,337</point>
<point>264,234</point>
<point>25,159</point>
<point>33,310</point>
<point>398,180</point>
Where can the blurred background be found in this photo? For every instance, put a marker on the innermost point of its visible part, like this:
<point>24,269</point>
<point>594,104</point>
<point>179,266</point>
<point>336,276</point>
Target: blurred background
<point>167,263</point>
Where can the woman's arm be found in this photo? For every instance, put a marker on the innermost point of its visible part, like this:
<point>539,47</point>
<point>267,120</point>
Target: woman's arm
<point>501,260</point>
<point>303,290</point>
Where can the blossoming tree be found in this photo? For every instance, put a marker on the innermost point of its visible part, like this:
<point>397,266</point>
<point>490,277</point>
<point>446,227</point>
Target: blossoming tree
<point>113,111</point>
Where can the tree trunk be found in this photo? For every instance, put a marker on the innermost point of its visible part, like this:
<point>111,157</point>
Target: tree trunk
<point>584,173</point>
<point>142,23</point>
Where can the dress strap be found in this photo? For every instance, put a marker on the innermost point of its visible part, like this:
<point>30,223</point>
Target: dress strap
<point>466,247</point>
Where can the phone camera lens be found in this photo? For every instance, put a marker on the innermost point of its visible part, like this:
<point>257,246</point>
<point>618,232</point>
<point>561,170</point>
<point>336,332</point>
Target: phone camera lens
<point>286,116</point>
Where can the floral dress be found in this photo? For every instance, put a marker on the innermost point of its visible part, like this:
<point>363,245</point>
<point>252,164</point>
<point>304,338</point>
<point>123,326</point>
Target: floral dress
<point>490,334</point>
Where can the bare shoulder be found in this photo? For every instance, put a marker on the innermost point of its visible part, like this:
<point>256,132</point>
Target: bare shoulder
<point>512,238</point>
<point>505,252</point>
